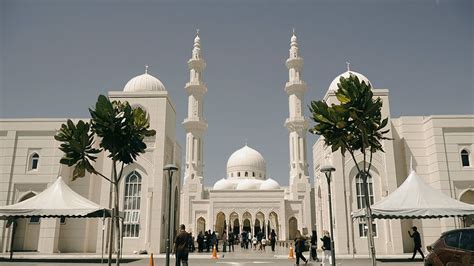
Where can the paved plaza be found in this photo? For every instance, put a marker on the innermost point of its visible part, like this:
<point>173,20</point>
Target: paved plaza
<point>239,257</point>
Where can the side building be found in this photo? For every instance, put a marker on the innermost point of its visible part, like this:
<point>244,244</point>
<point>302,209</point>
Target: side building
<point>29,162</point>
<point>439,147</point>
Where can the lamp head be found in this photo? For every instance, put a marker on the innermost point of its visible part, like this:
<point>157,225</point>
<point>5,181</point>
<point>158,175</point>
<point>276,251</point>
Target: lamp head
<point>327,169</point>
<point>170,167</point>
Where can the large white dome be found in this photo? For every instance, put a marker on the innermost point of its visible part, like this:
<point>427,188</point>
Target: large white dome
<point>346,74</point>
<point>144,82</point>
<point>246,163</point>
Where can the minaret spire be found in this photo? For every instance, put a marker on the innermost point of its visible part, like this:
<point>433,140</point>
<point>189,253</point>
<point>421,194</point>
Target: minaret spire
<point>296,123</point>
<point>195,124</point>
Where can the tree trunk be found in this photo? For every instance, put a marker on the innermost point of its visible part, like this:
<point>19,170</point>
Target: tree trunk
<point>111,236</point>
<point>117,225</point>
<point>368,212</point>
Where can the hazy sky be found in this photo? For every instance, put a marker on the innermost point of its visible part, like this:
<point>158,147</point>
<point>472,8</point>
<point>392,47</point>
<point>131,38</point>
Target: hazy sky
<point>58,56</point>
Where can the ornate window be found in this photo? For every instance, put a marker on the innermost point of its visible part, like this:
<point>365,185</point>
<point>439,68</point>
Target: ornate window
<point>246,174</point>
<point>131,203</point>
<point>34,161</point>
<point>465,158</point>
<point>238,174</point>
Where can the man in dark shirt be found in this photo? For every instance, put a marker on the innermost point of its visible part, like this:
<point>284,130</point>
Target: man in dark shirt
<point>417,241</point>
<point>181,246</point>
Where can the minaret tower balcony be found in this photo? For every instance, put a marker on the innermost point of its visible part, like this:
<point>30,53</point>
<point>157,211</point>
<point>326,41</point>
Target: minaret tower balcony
<point>295,87</point>
<point>195,124</point>
<point>196,87</point>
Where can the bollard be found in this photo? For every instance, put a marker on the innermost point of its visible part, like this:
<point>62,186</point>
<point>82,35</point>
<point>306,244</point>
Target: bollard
<point>214,253</point>
<point>291,255</point>
<point>152,263</point>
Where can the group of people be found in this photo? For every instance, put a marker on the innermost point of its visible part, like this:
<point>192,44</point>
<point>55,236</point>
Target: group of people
<point>300,247</point>
<point>258,240</point>
<point>184,242</point>
<point>208,241</point>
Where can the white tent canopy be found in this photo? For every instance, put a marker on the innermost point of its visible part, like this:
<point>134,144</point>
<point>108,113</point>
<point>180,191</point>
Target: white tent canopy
<point>415,199</point>
<point>58,200</point>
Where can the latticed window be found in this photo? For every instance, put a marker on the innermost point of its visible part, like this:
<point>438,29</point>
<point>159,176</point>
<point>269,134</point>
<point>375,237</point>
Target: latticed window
<point>360,192</point>
<point>131,203</point>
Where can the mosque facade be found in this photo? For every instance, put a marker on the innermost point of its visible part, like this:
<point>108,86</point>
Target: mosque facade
<point>246,199</point>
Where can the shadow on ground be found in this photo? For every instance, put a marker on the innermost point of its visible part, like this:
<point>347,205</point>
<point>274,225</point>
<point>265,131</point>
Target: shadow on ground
<point>399,260</point>
<point>95,261</point>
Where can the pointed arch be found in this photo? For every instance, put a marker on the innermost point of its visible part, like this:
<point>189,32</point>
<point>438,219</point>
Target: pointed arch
<point>27,230</point>
<point>201,225</point>
<point>292,228</point>
<point>33,161</point>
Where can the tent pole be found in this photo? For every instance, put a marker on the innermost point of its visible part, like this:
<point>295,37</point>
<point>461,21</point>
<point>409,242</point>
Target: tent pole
<point>103,232</point>
<point>13,238</point>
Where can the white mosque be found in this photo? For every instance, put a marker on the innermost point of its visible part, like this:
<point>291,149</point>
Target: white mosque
<point>246,198</point>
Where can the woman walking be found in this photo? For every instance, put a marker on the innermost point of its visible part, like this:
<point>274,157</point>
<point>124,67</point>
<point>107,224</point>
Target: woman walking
<point>299,248</point>
<point>326,248</point>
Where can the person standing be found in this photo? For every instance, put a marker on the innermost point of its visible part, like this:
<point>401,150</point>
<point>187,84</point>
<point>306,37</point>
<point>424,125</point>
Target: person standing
<point>314,246</point>
<point>224,241</point>
<point>208,240</point>
<point>200,242</point>
<point>181,246</point>
<point>417,241</point>
<point>299,248</point>
<point>273,239</point>
<point>231,241</point>
<point>326,248</point>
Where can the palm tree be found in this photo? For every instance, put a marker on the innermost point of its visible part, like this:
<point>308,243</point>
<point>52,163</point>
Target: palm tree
<point>354,125</point>
<point>120,131</point>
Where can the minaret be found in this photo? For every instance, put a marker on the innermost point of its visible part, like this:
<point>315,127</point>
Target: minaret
<point>296,123</point>
<point>195,124</point>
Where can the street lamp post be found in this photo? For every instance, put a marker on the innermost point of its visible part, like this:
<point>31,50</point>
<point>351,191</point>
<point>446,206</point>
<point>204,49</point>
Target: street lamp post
<point>327,170</point>
<point>170,168</point>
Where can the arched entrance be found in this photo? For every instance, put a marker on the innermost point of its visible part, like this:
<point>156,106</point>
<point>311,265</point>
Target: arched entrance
<point>220,223</point>
<point>293,227</point>
<point>201,225</point>
<point>259,223</point>
<point>27,231</point>
<point>273,224</point>
<point>468,197</point>
<point>234,224</point>
<point>246,222</point>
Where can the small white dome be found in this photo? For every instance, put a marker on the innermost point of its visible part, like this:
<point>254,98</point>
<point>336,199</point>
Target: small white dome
<point>269,184</point>
<point>247,160</point>
<point>144,82</point>
<point>346,74</point>
<point>223,184</point>
<point>248,184</point>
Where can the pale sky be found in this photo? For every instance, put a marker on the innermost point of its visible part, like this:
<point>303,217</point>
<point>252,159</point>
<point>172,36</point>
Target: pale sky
<point>58,56</point>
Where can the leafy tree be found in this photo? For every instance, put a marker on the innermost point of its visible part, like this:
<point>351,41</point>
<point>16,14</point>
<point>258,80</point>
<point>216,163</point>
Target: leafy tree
<point>354,125</point>
<point>120,131</point>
